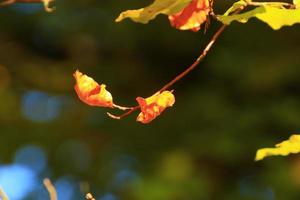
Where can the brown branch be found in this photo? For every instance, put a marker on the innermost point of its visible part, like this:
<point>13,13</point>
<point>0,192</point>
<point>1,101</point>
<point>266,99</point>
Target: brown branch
<point>51,189</point>
<point>200,57</point>
<point>3,196</point>
<point>181,75</point>
<point>185,72</point>
<point>198,60</point>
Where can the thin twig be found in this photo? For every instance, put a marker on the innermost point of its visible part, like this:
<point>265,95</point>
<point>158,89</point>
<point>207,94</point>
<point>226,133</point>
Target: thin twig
<point>3,196</point>
<point>198,60</point>
<point>121,107</point>
<point>200,57</point>
<point>51,189</point>
<point>185,72</point>
<point>181,75</point>
<point>124,114</point>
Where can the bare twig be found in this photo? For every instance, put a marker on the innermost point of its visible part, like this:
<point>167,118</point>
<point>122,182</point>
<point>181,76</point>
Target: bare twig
<point>3,196</point>
<point>198,60</point>
<point>51,189</point>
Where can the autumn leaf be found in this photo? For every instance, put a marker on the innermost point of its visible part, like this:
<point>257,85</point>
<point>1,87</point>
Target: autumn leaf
<point>183,14</point>
<point>90,92</point>
<point>284,148</point>
<point>192,16</point>
<point>144,15</point>
<point>274,14</point>
<point>153,106</point>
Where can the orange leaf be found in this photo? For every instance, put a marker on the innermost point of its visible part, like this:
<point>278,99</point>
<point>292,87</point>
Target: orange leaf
<point>192,16</point>
<point>90,92</point>
<point>153,106</point>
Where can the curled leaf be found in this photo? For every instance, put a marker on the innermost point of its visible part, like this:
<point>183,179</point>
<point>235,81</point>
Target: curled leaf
<point>90,92</point>
<point>192,16</point>
<point>284,148</point>
<point>153,106</point>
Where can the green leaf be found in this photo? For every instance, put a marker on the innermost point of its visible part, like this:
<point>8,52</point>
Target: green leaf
<point>274,16</point>
<point>144,15</point>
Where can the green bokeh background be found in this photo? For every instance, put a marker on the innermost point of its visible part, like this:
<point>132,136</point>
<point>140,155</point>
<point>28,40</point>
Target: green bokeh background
<point>243,96</point>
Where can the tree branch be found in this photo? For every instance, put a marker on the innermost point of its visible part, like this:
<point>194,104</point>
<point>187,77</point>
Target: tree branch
<point>198,60</point>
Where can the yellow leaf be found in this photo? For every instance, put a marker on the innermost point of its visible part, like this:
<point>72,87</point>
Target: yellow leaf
<point>274,15</point>
<point>92,93</point>
<point>144,15</point>
<point>153,106</point>
<point>296,3</point>
<point>284,148</point>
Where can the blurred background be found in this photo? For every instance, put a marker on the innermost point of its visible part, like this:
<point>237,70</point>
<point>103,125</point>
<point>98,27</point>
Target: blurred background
<point>244,96</point>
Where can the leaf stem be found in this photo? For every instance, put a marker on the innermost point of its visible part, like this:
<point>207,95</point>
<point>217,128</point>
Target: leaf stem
<point>121,107</point>
<point>131,110</point>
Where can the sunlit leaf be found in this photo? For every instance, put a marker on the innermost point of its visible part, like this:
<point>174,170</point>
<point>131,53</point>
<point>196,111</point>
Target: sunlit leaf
<point>296,3</point>
<point>275,16</point>
<point>192,16</point>
<point>144,15</point>
<point>90,92</point>
<point>153,106</point>
<point>284,148</point>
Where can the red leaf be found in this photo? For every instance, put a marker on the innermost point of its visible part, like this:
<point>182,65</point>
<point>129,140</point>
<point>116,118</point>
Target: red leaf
<point>192,16</point>
<point>153,106</point>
